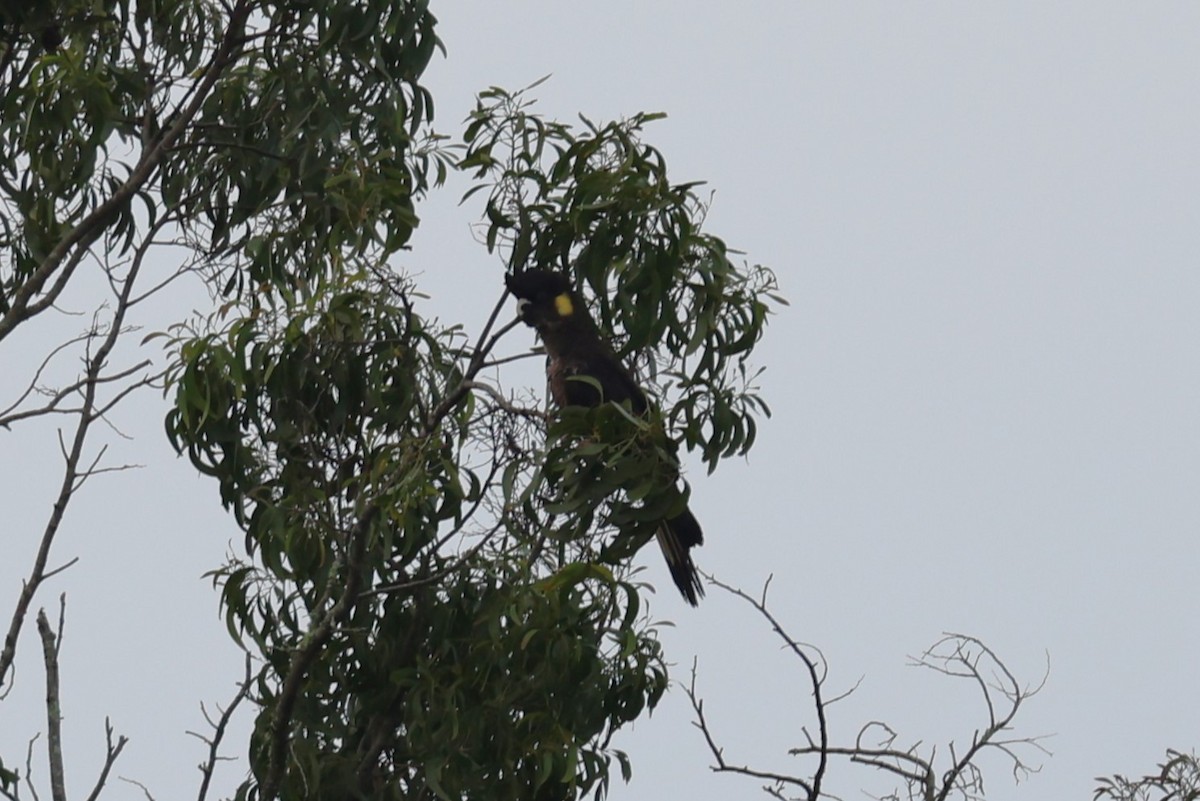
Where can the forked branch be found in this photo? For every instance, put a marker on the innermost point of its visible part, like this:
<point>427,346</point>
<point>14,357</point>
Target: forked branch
<point>922,776</point>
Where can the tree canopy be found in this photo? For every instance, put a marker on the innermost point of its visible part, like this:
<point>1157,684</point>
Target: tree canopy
<point>434,586</point>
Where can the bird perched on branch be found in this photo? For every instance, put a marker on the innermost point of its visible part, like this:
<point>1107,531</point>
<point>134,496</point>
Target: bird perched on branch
<point>575,348</point>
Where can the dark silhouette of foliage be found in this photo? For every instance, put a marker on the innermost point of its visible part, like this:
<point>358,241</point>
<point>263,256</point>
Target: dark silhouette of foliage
<point>426,591</point>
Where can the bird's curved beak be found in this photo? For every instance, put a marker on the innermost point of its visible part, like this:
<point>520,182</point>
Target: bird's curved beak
<point>523,310</point>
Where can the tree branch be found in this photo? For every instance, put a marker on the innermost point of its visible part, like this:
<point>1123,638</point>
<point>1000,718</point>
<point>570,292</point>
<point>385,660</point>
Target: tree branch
<point>483,347</point>
<point>816,680</point>
<point>505,403</point>
<point>71,472</point>
<point>214,743</point>
<point>318,635</point>
<point>111,752</point>
<point>87,231</point>
<point>54,755</point>
<point>719,753</point>
<point>963,661</point>
<point>953,655</point>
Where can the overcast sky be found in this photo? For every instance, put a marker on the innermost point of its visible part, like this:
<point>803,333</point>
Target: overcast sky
<point>986,389</point>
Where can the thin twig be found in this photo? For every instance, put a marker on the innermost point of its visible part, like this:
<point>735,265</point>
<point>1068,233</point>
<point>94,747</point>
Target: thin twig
<point>71,472</point>
<point>718,753</point>
<point>505,403</point>
<point>33,382</point>
<point>815,679</point>
<point>483,347</point>
<point>455,564</point>
<point>29,767</point>
<point>111,752</point>
<point>145,790</point>
<point>207,767</point>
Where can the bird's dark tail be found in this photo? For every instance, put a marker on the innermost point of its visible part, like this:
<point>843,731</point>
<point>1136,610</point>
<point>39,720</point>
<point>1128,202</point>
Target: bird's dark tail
<point>677,537</point>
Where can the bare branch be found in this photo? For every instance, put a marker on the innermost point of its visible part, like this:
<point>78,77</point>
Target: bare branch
<point>29,768</point>
<point>718,753</point>
<point>967,657</point>
<point>483,347</point>
<point>954,655</point>
<point>56,397</point>
<point>535,352</point>
<point>111,752</point>
<point>831,701</point>
<point>214,743</point>
<point>145,790</point>
<point>145,381</point>
<point>505,403</point>
<point>50,646</point>
<point>815,676</point>
<point>71,472</point>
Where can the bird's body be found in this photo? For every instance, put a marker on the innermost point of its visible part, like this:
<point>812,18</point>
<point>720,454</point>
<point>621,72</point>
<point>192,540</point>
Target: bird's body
<point>576,350</point>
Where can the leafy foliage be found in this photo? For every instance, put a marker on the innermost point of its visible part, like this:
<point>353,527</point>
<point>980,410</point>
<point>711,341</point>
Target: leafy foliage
<point>1178,779</point>
<point>428,585</point>
<point>599,205</point>
<point>395,598</point>
<point>278,137</point>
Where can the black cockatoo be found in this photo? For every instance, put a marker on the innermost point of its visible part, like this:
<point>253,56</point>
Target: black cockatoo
<point>575,347</point>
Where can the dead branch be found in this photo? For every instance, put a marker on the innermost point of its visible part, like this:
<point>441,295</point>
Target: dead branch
<point>29,767</point>
<point>483,346</point>
<point>111,752</point>
<point>875,746</point>
<point>963,656</point>
<point>72,474</point>
<point>505,403</point>
<point>56,396</point>
<point>145,790</point>
<point>718,753</point>
<point>50,648</point>
<point>816,677</point>
<point>219,728</point>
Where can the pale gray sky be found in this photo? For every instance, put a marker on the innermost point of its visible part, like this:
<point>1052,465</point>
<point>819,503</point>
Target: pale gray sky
<point>986,389</point>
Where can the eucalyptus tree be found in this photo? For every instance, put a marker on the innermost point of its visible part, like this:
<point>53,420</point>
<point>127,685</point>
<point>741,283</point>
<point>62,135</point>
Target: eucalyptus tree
<point>434,586</point>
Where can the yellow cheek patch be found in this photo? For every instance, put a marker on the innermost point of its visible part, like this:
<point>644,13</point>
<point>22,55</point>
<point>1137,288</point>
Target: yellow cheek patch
<point>563,305</point>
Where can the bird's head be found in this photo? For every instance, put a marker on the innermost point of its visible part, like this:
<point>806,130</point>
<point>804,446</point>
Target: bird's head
<point>545,299</point>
